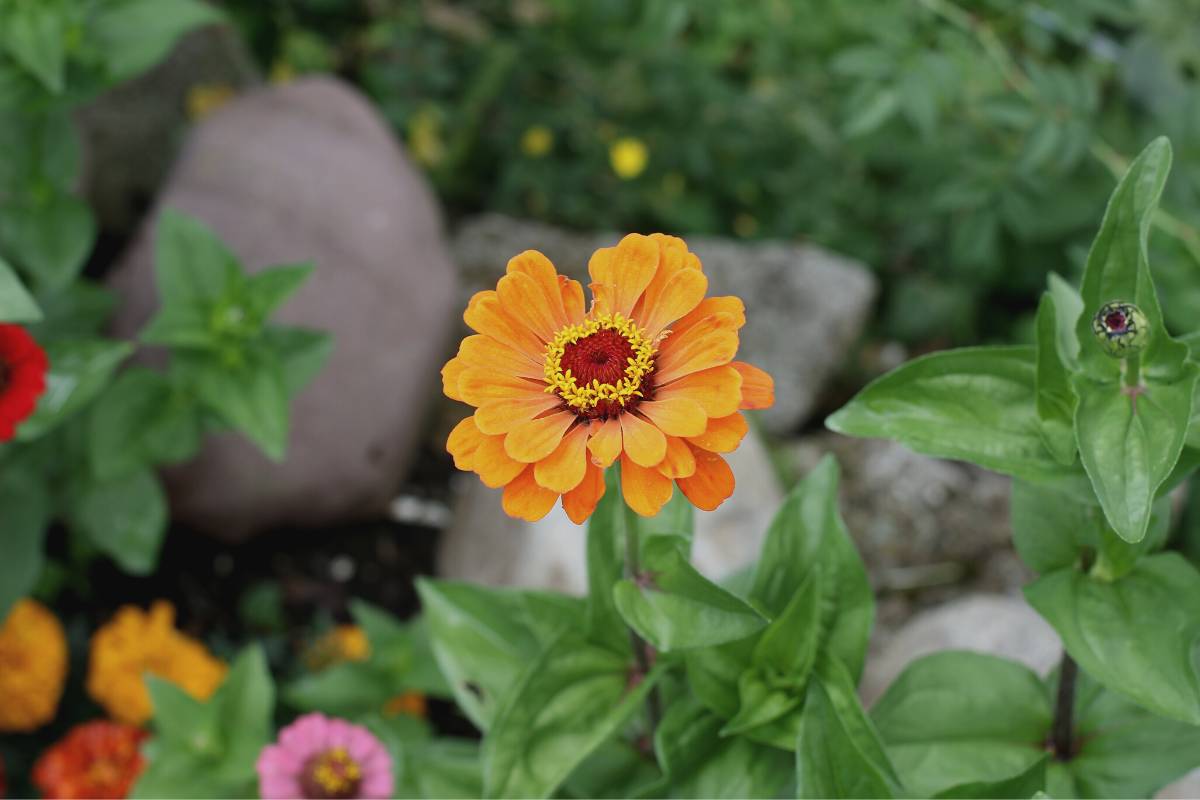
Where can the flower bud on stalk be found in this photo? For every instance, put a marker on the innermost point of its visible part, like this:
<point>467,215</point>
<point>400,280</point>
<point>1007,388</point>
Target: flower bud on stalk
<point>1123,331</point>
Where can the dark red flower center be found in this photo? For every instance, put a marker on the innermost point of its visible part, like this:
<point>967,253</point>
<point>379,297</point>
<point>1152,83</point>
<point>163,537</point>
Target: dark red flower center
<point>602,356</point>
<point>1116,321</point>
<point>331,775</point>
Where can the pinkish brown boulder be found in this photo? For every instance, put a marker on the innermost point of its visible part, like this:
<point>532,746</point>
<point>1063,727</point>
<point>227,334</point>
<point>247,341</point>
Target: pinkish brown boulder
<point>309,172</point>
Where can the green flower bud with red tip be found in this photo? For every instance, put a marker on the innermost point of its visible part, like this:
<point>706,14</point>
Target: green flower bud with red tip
<point>1121,329</point>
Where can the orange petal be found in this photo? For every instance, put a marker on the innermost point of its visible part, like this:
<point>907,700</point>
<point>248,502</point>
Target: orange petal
<point>572,297</point>
<point>450,375</point>
<point>462,443</point>
<point>486,352</point>
<point>709,343</point>
<point>717,390</point>
<point>680,295</point>
<point>711,484</point>
<point>709,306</point>
<point>602,285</point>
<point>501,416</point>
<point>675,416</point>
<point>486,315</point>
<point>679,463</point>
<point>494,466</point>
<point>646,491</point>
<point>539,268</point>
<point>723,434</point>
<point>624,272</point>
<point>521,295</point>
<point>479,387</point>
<point>524,499</point>
<point>563,469</point>
<point>537,438</point>
<point>641,441</point>
<point>605,444</point>
<point>758,388</point>
<point>580,502</point>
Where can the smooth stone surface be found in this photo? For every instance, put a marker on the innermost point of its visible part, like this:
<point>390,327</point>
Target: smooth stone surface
<point>308,171</point>
<point>987,623</point>
<point>805,306</point>
<point>483,545</point>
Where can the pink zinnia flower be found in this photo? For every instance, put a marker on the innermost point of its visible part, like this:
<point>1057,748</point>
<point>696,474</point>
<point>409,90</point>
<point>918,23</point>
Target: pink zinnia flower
<point>318,757</point>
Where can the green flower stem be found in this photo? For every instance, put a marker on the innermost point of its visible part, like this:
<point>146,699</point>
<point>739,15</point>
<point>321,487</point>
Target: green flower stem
<point>641,648</point>
<point>1063,732</point>
<point>1133,371</point>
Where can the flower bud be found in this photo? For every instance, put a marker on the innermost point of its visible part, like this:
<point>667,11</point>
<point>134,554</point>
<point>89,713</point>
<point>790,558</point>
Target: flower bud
<point>1121,328</point>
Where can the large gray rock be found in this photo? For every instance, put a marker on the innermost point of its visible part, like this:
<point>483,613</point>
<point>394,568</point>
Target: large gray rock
<point>309,172</point>
<point>805,306</point>
<point>999,625</point>
<point>483,545</point>
<point>132,133</point>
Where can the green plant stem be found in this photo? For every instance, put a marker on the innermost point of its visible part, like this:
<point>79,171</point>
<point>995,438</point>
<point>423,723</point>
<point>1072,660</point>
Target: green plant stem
<point>641,651</point>
<point>1133,371</point>
<point>1020,83</point>
<point>1063,733</point>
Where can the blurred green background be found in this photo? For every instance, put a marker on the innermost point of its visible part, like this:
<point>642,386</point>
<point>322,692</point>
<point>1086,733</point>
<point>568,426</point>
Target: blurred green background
<point>961,149</point>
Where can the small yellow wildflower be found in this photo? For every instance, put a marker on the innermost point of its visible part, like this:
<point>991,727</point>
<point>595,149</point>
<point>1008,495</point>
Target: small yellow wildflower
<point>282,71</point>
<point>537,141</point>
<point>343,643</point>
<point>205,98</point>
<point>135,642</point>
<point>411,703</point>
<point>425,137</point>
<point>628,157</point>
<point>745,225</point>
<point>33,666</point>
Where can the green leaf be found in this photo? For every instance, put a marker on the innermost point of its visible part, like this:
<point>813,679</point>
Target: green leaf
<point>1130,445</point>
<point>33,34</point>
<point>1027,784</point>
<point>16,304</point>
<point>50,239</point>
<point>765,709</point>
<point>808,534</point>
<point>267,290</point>
<point>400,651</point>
<point>79,311</point>
<point>134,35</point>
<point>678,608</point>
<point>79,370</point>
<point>1137,635</point>
<point>195,273</point>
<point>1118,267</point>
<point>1053,529</point>
<point>24,516</point>
<point>141,420</point>
<point>45,135</point>
<point>301,352</point>
<point>615,769</point>
<point>1124,750</point>
<point>1056,399</point>
<point>571,699</point>
<point>482,638</point>
<point>839,752</point>
<point>125,518</point>
<point>699,762</point>
<point>346,690</point>
<point>1068,305</point>
<point>974,404</point>
<point>181,719</point>
<point>955,718</point>
<point>245,705</point>
<point>714,675</point>
<point>246,392</point>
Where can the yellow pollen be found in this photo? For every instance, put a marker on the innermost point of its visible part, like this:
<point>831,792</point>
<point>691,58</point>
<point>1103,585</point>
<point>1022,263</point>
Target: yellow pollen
<point>336,772</point>
<point>589,396</point>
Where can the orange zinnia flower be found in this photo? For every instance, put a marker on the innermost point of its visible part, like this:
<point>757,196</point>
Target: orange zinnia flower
<point>98,759</point>
<point>646,376</point>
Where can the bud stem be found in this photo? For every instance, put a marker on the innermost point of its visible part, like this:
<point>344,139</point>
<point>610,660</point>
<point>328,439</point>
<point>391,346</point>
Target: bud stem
<point>641,649</point>
<point>1133,370</point>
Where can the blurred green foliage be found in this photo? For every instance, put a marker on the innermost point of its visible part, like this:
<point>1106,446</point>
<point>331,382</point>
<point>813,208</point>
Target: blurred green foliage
<point>963,150</point>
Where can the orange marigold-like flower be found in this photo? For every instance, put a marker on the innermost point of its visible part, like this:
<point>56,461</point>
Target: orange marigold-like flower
<point>646,376</point>
<point>97,759</point>
<point>343,643</point>
<point>134,643</point>
<point>413,704</point>
<point>33,666</point>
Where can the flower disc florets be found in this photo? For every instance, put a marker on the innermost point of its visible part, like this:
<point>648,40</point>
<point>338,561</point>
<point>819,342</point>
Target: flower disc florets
<point>599,365</point>
<point>1121,328</point>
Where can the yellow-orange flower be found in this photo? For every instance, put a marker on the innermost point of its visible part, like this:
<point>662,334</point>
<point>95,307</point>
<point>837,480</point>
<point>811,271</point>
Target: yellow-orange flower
<point>33,666</point>
<point>343,643</point>
<point>537,141</point>
<point>628,157</point>
<point>412,704</point>
<point>646,376</point>
<point>135,643</point>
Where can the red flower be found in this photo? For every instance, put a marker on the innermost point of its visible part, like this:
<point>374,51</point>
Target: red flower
<point>97,759</point>
<point>23,368</point>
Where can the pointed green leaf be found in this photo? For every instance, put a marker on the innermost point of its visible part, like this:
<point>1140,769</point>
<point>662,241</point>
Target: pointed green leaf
<point>1055,398</point>
<point>267,290</point>
<point>51,240</point>
<point>246,392</point>
<point>141,420</point>
<point>1027,784</point>
<point>16,304</point>
<point>134,35</point>
<point>125,518</point>
<point>34,35</point>
<point>25,513</point>
<point>79,370</point>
